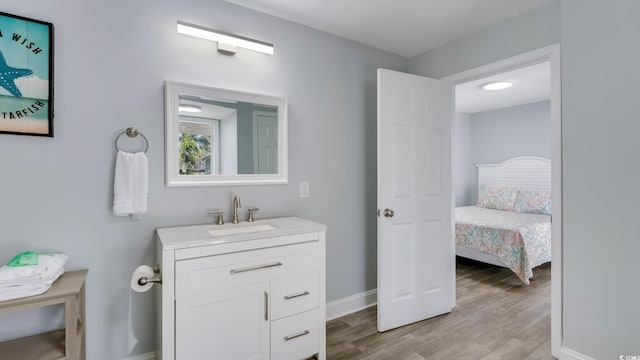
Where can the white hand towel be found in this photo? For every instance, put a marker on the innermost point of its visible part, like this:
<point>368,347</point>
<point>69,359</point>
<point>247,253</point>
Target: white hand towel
<point>130,184</point>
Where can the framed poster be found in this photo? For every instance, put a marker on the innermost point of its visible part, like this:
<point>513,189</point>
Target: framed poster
<point>26,76</point>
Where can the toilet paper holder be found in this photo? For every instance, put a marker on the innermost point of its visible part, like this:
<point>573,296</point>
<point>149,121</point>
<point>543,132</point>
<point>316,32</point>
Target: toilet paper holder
<point>143,280</point>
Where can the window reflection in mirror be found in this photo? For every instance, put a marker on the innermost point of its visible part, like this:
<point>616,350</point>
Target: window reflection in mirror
<point>195,144</point>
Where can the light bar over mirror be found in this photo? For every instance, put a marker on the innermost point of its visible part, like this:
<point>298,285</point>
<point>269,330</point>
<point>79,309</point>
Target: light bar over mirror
<point>227,42</point>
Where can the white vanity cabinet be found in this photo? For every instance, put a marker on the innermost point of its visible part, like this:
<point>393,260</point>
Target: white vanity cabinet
<point>245,294</point>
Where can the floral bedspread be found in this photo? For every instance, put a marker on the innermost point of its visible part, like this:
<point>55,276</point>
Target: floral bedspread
<point>521,241</point>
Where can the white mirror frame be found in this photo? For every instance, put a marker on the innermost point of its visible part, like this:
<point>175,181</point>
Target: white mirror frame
<point>173,179</point>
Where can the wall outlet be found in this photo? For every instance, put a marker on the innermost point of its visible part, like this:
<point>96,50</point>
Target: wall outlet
<point>304,189</point>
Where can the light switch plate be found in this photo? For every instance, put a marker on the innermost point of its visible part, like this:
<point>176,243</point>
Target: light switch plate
<point>304,189</point>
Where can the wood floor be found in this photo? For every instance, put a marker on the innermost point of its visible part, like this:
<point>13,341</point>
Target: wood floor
<point>496,317</point>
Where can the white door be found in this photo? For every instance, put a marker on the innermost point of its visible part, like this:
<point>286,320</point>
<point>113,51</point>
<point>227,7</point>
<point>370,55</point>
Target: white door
<point>265,138</point>
<point>416,258</point>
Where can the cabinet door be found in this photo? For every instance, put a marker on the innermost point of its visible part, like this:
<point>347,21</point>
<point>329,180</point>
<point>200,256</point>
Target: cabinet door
<point>231,324</point>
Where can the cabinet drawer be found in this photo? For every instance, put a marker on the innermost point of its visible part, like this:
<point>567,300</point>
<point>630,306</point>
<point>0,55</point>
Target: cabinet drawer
<point>295,337</point>
<point>294,295</point>
<point>212,273</point>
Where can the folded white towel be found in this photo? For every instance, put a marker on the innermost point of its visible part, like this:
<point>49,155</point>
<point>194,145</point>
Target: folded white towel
<point>130,184</point>
<point>48,268</point>
<point>17,292</point>
<point>21,291</point>
<point>30,280</point>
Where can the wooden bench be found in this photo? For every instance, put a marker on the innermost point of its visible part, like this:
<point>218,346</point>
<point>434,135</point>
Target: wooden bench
<point>68,343</point>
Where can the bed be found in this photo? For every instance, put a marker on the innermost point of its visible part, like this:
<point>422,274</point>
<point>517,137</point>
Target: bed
<point>511,224</point>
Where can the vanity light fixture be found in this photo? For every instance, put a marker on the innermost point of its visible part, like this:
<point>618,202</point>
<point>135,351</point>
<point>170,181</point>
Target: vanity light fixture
<point>497,85</point>
<point>227,42</point>
<point>189,108</point>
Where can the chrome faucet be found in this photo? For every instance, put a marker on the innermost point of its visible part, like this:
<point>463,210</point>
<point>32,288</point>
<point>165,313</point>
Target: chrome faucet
<point>236,205</point>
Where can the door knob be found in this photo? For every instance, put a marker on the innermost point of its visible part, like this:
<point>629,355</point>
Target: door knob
<point>388,213</point>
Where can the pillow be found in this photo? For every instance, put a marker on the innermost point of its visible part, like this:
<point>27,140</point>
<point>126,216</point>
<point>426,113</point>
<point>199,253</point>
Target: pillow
<point>498,198</point>
<point>534,202</point>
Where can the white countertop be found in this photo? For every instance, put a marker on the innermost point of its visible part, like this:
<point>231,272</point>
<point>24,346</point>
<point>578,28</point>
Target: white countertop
<point>179,237</point>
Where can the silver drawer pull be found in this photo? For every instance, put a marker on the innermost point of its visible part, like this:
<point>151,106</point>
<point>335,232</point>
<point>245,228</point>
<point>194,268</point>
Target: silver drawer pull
<point>289,297</point>
<point>287,338</point>
<point>253,268</point>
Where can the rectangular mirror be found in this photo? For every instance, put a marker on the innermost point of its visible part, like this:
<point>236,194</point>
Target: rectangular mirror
<point>224,137</point>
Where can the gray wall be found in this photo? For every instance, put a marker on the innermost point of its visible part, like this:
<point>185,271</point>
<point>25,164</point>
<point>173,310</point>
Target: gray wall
<point>462,171</point>
<point>501,134</point>
<point>600,57</point>
<point>245,137</point>
<point>111,60</point>
<point>535,29</point>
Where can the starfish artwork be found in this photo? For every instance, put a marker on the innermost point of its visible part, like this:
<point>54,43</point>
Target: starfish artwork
<point>8,75</point>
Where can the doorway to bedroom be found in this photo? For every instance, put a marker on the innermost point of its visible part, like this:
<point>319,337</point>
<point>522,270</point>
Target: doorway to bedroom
<point>416,198</point>
<point>505,138</point>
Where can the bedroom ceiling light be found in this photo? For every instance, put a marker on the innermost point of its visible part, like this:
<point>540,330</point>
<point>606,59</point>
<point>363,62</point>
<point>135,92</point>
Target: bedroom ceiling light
<point>497,85</point>
<point>227,42</point>
<point>189,108</point>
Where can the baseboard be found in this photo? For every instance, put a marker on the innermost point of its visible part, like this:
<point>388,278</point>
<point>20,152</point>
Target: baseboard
<point>568,354</point>
<point>148,356</point>
<point>351,304</point>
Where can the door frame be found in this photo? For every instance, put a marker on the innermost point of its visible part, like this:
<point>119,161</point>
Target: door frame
<point>552,54</point>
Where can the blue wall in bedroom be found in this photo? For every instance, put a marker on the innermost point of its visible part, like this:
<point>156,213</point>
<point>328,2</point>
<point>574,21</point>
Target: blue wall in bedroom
<point>501,134</point>
<point>462,171</point>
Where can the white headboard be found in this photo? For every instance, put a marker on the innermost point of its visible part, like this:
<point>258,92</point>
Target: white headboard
<point>529,172</point>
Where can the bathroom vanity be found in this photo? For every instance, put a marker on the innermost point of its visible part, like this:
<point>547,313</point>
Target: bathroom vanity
<point>242,291</point>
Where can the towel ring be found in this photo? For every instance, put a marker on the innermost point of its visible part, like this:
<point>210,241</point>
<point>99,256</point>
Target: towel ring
<point>132,132</point>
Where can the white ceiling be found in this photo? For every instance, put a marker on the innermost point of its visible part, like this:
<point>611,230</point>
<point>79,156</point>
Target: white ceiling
<point>404,27</point>
<point>530,84</point>
<point>189,124</point>
<point>209,111</point>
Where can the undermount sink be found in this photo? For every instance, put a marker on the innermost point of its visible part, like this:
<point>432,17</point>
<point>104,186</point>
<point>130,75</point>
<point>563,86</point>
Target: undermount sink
<point>234,229</point>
